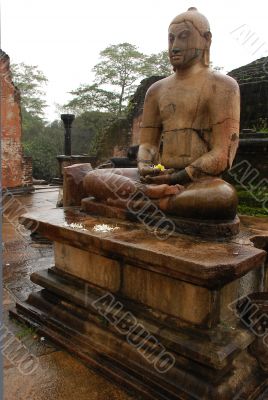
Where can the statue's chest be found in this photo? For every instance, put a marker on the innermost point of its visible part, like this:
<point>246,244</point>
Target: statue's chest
<point>181,106</point>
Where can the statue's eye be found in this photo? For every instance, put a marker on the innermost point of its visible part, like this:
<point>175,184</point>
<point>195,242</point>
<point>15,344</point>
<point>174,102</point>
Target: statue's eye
<point>171,38</point>
<point>184,35</point>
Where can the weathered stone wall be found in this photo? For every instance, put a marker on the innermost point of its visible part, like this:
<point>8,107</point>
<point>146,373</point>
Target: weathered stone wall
<point>16,171</point>
<point>116,140</point>
<point>136,106</point>
<point>253,82</point>
<point>252,155</point>
<point>27,168</point>
<point>120,151</point>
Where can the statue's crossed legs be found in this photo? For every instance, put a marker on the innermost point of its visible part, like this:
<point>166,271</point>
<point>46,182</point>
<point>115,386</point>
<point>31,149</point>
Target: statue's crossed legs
<point>209,198</point>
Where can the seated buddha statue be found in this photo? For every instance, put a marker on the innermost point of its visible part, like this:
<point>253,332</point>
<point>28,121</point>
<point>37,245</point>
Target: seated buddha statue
<point>190,126</point>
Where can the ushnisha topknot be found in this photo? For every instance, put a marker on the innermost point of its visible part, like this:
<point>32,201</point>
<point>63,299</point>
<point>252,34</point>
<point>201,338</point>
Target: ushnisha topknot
<point>198,20</point>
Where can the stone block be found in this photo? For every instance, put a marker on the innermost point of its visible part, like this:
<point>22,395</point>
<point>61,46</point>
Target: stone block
<point>189,302</point>
<point>73,190</point>
<point>94,268</point>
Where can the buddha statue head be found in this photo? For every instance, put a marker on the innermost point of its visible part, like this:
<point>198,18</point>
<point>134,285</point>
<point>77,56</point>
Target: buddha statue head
<point>189,39</point>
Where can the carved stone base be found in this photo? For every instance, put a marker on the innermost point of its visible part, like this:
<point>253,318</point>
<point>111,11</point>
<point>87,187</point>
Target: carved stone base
<point>206,364</point>
<point>130,305</point>
<point>204,228</point>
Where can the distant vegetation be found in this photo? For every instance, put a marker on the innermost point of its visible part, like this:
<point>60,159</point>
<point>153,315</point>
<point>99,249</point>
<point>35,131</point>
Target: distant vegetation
<point>248,203</point>
<point>101,108</point>
<point>98,105</point>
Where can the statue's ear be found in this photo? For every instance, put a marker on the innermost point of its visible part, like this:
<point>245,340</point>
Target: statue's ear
<point>208,36</point>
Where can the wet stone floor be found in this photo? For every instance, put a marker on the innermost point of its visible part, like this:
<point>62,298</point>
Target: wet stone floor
<point>53,373</point>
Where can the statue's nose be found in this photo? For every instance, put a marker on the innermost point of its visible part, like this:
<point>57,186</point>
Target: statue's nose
<point>176,50</point>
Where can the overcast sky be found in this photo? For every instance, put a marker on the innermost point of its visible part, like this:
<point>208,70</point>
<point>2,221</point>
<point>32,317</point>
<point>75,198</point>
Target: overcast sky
<point>64,37</point>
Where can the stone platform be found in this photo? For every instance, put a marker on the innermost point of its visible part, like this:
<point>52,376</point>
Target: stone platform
<point>153,315</point>
<point>204,228</point>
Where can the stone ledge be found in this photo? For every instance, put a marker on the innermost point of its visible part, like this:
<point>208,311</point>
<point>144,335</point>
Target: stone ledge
<point>205,263</point>
<point>205,229</point>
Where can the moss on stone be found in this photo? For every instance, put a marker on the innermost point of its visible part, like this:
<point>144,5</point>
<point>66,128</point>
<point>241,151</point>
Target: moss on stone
<point>253,211</point>
<point>252,203</point>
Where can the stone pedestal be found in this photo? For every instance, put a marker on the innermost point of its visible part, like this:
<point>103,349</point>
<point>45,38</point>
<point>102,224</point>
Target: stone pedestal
<point>66,161</point>
<point>155,316</point>
<point>204,228</point>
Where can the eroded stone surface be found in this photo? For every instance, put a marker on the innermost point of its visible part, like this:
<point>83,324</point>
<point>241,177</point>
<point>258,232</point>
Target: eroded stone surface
<point>73,190</point>
<point>203,228</point>
<point>101,271</point>
<point>207,263</point>
<point>204,365</point>
<point>60,380</point>
<point>60,376</point>
<point>16,169</point>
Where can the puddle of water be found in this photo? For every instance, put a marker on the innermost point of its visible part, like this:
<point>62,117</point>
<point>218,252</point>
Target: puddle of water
<point>105,228</point>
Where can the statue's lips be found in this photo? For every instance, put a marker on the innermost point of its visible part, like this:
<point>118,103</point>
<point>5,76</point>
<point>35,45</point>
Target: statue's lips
<point>176,57</point>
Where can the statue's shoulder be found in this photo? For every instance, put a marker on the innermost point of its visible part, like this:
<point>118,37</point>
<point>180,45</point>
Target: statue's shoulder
<point>222,80</point>
<point>157,86</point>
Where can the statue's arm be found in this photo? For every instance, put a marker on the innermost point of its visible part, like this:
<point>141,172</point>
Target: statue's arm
<point>224,110</point>
<point>150,132</point>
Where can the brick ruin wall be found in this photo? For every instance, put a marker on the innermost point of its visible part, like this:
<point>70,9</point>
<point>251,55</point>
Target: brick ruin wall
<point>27,168</point>
<point>16,169</point>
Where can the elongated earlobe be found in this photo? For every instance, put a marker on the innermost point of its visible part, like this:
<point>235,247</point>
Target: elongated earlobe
<point>206,57</point>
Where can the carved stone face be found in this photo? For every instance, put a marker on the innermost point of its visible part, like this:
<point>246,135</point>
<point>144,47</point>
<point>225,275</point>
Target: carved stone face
<point>185,44</point>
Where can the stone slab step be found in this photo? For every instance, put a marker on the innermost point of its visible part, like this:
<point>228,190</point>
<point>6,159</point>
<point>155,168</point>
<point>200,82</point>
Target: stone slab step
<point>125,366</point>
<point>215,348</point>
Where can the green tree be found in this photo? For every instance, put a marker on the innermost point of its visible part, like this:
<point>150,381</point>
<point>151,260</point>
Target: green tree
<point>42,141</point>
<point>93,98</point>
<point>44,148</point>
<point>32,125</point>
<point>156,65</point>
<point>86,128</point>
<point>116,76</point>
<point>119,67</point>
<point>30,80</point>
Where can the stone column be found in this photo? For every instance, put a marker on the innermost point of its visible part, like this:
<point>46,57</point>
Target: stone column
<point>67,121</point>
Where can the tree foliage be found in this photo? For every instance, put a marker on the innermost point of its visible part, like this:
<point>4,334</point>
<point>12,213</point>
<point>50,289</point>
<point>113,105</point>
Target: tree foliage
<point>41,141</point>
<point>32,125</point>
<point>100,106</point>
<point>30,80</point>
<point>117,75</point>
<point>44,142</point>
<point>120,68</point>
<point>93,98</point>
<point>86,128</point>
<point>156,65</point>
<point>43,147</point>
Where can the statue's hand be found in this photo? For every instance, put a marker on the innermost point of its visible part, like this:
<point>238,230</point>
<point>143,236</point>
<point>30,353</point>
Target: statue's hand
<point>169,177</point>
<point>149,170</point>
<point>158,180</point>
